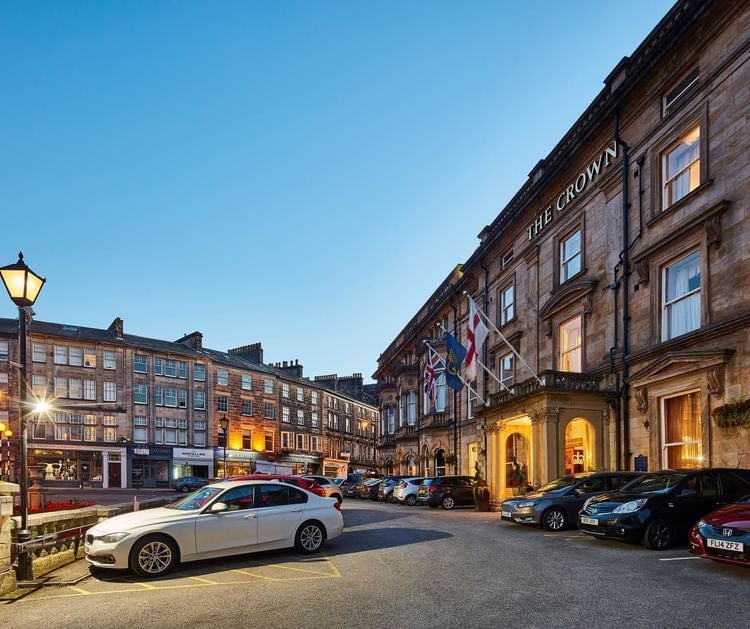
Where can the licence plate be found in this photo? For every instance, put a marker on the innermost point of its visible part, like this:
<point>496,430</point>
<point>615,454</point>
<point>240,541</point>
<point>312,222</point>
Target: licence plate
<point>591,521</point>
<point>723,544</point>
<point>505,514</point>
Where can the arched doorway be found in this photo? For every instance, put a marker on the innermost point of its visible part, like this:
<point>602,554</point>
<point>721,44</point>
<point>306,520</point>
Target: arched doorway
<point>579,446</point>
<point>517,463</point>
<point>440,462</point>
<point>411,465</point>
<point>425,461</point>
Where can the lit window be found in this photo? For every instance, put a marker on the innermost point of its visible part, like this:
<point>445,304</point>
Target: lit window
<point>570,345</point>
<point>682,297</point>
<point>682,431</point>
<point>570,256</point>
<point>681,167</point>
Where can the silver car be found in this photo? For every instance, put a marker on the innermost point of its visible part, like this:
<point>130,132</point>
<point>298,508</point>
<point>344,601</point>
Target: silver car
<point>329,486</point>
<point>406,490</point>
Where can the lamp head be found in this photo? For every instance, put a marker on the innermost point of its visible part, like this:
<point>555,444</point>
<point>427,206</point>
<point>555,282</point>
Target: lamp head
<point>22,284</point>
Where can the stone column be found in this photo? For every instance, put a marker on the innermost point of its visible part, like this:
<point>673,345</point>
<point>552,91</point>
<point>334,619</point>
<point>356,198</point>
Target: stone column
<point>105,469</point>
<point>7,575</point>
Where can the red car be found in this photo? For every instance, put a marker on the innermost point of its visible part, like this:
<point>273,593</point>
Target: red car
<point>304,483</point>
<point>724,534</point>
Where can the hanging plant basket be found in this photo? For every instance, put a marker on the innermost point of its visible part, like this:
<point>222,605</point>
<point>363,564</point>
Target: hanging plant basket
<point>735,413</point>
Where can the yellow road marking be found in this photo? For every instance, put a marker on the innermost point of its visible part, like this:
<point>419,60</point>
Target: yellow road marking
<point>257,576</point>
<point>80,590</point>
<point>148,586</point>
<point>207,581</point>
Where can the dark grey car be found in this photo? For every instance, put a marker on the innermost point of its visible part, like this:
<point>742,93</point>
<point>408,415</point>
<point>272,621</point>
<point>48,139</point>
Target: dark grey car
<point>555,506</point>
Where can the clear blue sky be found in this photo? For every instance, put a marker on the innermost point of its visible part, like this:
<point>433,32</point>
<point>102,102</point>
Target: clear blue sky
<point>303,174</point>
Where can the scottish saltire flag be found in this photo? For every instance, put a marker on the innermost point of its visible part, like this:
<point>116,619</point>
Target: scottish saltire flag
<point>455,354</point>
<point>433,364</point>
<point>476,334</point>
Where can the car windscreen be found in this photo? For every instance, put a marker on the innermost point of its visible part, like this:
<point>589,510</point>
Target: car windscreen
<point>197,500</point>
<point>558,483</point>
<point>653,483</point>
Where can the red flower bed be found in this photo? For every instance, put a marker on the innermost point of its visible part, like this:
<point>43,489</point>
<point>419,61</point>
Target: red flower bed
<point>58,506</point>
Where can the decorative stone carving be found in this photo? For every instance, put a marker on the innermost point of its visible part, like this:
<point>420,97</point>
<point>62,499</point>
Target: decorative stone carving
<point>605,417</point>
<point>713,230</point>
<point>715,379</point>
<point>641,396</point>
<point>642,270</point>
<point>587,306</point>
<point>548,327</point>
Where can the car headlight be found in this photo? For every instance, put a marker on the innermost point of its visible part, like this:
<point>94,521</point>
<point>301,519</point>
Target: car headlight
<point>529,503</point>
<point>111,538</point>
<point>588,500</point>
<point>631,506</point>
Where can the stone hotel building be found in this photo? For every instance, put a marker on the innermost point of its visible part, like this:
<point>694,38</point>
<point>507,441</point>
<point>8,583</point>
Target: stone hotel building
<point>617,280</point>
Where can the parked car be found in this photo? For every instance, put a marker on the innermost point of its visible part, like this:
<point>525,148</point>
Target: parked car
<point>385,491</point>
<point>300,481</point>
<point>369,489</point>
<point>659,508</point>
<point>555,506</point>
<point>446,491</point>
<point>328,484</point>
<point>189,483</point>
<point>406,490</point>
<point>724,534</point>
<point>226,518</point>
<point>349,488</point>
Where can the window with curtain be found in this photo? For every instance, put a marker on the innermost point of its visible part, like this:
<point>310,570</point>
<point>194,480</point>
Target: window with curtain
<point>682,431</point>
<point>570,256</point>
<point>440,393</point>
<point>681,167</point>
<point>391,420</point>
<point>570,345</point>
<point>411,404</point>
<point>682,297</point>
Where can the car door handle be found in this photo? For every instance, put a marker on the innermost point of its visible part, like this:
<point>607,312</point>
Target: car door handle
<point>296,510</point>
<point>249,516</point>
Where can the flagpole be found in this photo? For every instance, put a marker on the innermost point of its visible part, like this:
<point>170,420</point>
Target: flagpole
<point>466,384</point>
<point>507,342</point>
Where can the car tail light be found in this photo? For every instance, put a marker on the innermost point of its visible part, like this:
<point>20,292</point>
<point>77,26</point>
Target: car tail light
<point>337,505</point>
<point>432,488</point>
<point>402,484</point>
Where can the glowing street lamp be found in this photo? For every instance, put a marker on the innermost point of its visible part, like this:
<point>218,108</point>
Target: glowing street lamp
<point>224,423</point>
<point>23,286</point>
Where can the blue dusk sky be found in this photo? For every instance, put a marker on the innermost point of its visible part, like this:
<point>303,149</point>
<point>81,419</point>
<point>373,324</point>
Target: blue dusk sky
<point>298,173</point>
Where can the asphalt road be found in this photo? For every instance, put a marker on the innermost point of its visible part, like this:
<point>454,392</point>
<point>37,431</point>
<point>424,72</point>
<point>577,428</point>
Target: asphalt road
<point>398,566</point>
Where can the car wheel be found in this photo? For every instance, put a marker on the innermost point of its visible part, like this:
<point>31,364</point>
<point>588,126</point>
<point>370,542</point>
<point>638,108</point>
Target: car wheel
<point>411,500</point>
<point>310,538</point>
<point>153,556</point>
<point>554,520</point>
<point>448,502</point>
<point>184,489</point>
<point>658,535</point>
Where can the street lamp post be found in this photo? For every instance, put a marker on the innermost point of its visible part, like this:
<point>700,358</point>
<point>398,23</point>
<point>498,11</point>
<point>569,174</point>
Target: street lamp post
<point>224,423</point>
<point>23,286</point>
<point>7,433</point>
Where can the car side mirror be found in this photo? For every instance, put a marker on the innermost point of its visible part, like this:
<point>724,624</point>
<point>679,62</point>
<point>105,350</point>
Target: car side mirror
<point>688,493</point>
<point>218,507</point>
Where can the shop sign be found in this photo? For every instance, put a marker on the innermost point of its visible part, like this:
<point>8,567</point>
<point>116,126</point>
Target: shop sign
<point>141,451</point>
<point>235,455</point>
<point>569,193</point>
<point>191,453</point>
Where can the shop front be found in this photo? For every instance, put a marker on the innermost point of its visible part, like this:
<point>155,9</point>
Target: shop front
<point>70,466</point>
<point>239,462</point>
<point>192,462</point>
<point>336,468</point>
<point>300,463</point>
<point>149,466</point>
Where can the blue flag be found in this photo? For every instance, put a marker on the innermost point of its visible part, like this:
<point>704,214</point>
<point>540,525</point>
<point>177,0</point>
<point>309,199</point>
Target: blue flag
<point>455,354</point>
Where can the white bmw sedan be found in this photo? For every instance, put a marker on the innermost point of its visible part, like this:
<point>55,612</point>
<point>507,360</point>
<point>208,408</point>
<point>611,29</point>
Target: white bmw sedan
<point>226,518</point>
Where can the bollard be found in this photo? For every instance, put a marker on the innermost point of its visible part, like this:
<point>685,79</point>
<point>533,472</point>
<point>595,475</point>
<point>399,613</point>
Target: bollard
<point>135,503</point>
